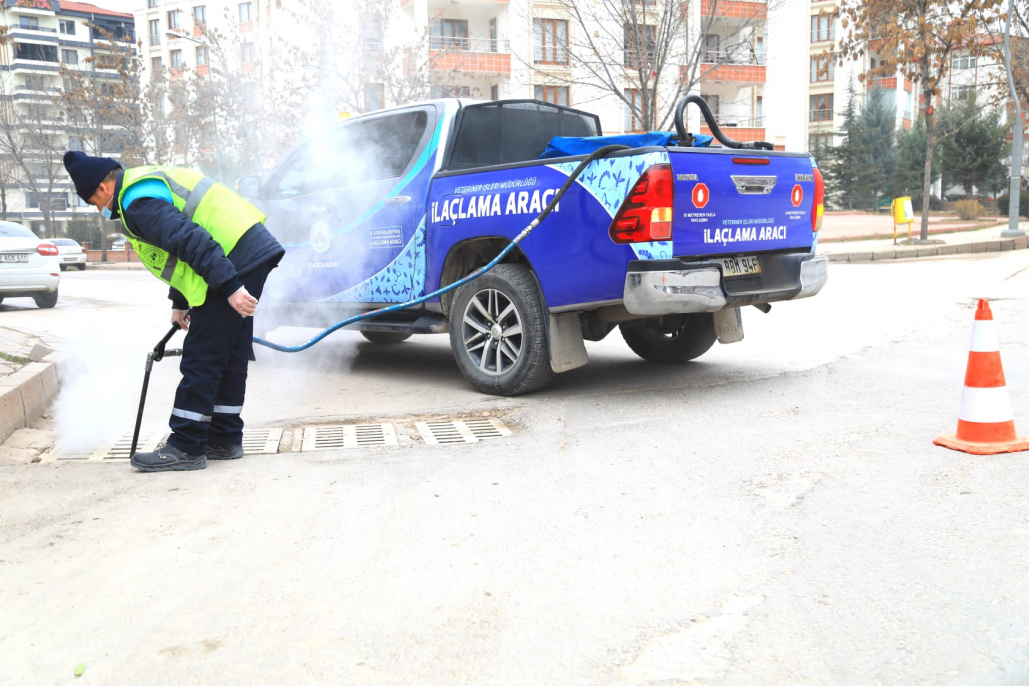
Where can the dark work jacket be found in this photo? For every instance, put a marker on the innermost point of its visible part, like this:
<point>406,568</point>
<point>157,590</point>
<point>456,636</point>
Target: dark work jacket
<point>158,222</point>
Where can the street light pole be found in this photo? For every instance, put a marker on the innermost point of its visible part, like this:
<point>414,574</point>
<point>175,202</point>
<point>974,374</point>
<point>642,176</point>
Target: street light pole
<point>1016,140</point>
<point>214,110</point>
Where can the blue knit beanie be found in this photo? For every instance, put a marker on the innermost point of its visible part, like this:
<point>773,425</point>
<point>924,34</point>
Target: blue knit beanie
<point>87,172</point>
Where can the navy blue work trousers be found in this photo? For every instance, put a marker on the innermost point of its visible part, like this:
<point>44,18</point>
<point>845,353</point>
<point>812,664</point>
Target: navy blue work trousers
<point>215,356</point>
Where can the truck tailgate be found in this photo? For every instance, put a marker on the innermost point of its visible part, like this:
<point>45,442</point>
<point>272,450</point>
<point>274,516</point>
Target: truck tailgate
<point>730,202</point>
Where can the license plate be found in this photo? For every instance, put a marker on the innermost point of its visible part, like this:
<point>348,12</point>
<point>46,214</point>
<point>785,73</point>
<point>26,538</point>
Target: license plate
<point>739,266</point>
<point>14,257</point>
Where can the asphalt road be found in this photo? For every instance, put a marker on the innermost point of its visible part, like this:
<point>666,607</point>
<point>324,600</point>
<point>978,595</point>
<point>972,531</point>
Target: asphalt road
<point>773,513</point>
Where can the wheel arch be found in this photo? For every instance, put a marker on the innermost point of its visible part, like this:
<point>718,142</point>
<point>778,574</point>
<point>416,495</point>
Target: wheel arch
<point>468,255</point>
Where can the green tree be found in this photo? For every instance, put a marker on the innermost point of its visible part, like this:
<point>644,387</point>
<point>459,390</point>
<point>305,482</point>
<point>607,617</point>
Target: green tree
<point>841,168</point>
<point>907,181</point>
<point>971,144</point>
<point>877,160</point>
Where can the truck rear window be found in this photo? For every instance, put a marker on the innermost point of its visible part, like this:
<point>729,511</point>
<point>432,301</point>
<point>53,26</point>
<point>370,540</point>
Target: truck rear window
<point>513,131</point>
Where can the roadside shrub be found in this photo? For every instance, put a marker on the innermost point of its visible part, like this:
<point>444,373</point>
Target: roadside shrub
<point>970,209</point>
<point>1004,204</point>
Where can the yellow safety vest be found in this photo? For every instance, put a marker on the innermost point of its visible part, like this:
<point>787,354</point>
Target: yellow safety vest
<point>207,203</point>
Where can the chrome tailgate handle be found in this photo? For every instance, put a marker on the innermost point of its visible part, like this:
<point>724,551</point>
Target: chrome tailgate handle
<point>753,185</point>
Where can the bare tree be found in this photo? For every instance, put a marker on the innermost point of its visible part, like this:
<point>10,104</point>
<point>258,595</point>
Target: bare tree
<point>915,38</point>
<point>647,53</point>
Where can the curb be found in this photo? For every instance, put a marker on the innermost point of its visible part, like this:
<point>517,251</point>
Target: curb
<point>25,395</point>
<point>907,252</point>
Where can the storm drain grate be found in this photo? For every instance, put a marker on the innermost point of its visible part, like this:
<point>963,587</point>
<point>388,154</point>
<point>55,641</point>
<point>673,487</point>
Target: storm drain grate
<point>348,436</point>
<point>261,441</point>
<point>461,431</point>
<point>119,450</point>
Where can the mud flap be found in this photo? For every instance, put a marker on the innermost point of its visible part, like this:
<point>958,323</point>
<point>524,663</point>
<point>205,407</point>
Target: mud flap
<point>729,325</point>
<point>567,350</point>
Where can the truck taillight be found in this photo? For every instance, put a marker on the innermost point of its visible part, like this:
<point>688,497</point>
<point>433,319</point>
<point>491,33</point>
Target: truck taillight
<point>819,208</point>
<point>46,249</point>
<point>646,215</point>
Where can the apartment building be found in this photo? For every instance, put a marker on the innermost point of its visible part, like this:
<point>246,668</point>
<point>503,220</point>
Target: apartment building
<point>44,36</point>
<point>522,49</point>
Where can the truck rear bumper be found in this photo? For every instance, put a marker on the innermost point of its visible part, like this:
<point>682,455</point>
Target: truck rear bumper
<point>677,286</point>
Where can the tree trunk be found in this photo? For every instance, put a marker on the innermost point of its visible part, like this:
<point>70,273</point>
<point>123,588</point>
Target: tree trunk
<point>927,182</point>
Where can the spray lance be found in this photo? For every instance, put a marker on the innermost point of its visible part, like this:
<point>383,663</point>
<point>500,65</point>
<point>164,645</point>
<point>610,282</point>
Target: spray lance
<point>159,352</point>
<point>155,355</point>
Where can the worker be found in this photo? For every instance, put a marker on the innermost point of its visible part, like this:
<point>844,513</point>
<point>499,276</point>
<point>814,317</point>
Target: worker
<point>212,248</point>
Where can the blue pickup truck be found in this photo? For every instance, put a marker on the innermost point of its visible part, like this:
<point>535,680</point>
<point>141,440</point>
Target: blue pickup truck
<point>666,243</point>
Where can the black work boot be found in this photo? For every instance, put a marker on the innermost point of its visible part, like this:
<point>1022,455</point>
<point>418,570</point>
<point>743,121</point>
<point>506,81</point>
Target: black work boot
<point>224,452</point>
<point>168,458</point>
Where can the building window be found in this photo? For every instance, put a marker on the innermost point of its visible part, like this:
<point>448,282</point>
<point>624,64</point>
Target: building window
<point>175,59</point>
<point>75,143</point>
<point>959,62</point>
<point>823,28</point>
<point>35,52</point>
<point>174,20</point>
<point>246,12</point>
<point>374,97</point>
<point>639,45</point>
<point>818,144</point>
<point>633,110</point>
<point>67,26</point>
<point>156,64</point>
<point>550,41</point>
<point>200,15</point>
<point>450,92</point>
<point>151,4</point>
<point>962,93</point>
<point>555,95</point>
<point>70,56</point>
<point>822,68</point>
<point>201,56</point>
<point>29,23</point>
<point>246,52</point>
<point>371,33</point>
<point>711,45</point>
<point>494,92</point>
<point>714,103</point>
<point>449,34</point>
<point>155,31</point>
<point>820,107</point>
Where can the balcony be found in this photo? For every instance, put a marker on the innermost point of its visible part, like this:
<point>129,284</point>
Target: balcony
<point>820,116</point>
<point>470,55</point>
<point>743,128</point>
<point>733,67</point>
<point>29,27</point>
<point>734,9</point>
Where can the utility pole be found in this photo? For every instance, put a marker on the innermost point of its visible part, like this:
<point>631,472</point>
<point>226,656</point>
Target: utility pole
<point>1016,139</point>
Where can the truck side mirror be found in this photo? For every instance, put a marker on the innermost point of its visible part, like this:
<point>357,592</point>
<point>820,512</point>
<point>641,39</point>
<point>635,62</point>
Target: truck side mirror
<point>249,186</point>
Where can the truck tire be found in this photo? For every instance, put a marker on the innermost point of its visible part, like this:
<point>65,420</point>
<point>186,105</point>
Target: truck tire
<point>671,339</point>
<point>498,332</point>
<point>45,300</point>
<point>385,337</point>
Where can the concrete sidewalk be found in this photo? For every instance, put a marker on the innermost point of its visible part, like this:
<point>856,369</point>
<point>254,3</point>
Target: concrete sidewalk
<point>879,249</point>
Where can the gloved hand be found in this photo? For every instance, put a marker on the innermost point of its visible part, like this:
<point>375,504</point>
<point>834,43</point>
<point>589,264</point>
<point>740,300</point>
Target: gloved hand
<point>243,302</point>
<point>181,317</point>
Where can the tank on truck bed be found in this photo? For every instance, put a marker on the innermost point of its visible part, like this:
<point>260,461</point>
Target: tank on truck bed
<point>665,242</point>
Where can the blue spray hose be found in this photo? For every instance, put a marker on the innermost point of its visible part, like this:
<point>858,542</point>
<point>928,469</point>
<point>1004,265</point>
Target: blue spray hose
<point>596,154</point>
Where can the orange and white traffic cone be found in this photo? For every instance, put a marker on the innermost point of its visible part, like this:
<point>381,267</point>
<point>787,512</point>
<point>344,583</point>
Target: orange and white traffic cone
<point>986,425</point>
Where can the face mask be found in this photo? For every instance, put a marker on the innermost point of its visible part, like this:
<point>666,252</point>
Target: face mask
<point>106,211</point>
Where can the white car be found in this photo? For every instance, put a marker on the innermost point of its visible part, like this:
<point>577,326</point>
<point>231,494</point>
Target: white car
<point>29,266</point>
<point>70,253</point>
